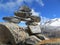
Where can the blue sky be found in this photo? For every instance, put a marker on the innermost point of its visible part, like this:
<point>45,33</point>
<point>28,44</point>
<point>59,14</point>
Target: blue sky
<point>47,9</point>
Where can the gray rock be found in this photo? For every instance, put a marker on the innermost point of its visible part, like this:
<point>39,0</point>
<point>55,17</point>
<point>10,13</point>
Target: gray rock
<point>32,40</point>
<point>10,32</point>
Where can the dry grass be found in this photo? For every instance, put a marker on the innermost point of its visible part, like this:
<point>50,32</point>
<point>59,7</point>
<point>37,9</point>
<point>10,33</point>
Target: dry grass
<point>50,41</point>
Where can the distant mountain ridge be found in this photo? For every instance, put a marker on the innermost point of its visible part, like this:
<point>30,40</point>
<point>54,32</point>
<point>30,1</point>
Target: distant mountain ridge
<point>53,22</point>
<point>51,28</point>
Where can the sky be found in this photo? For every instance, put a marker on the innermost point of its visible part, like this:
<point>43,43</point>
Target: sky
<point>46,9</point>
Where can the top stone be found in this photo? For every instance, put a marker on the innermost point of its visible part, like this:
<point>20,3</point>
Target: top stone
<point>24,8</point>
<point>24,11</point>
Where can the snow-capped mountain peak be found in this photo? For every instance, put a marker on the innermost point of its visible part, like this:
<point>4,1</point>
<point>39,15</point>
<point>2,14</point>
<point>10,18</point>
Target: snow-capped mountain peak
<point>53,22</point>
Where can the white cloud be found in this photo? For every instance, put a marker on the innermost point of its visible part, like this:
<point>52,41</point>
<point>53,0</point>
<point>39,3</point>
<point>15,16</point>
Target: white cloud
<point>30,1</point>
<point>40,2</point>
<point>12,5</point>
<point>35,13</point>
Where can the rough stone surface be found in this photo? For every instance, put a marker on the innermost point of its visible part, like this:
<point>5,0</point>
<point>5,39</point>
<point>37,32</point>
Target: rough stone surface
<point>12,32</point>
<point>32,40</point>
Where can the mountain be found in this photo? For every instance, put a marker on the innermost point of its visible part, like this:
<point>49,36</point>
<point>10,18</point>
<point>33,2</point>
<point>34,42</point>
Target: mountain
<point>51,28</point>
<point>53,22</point>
